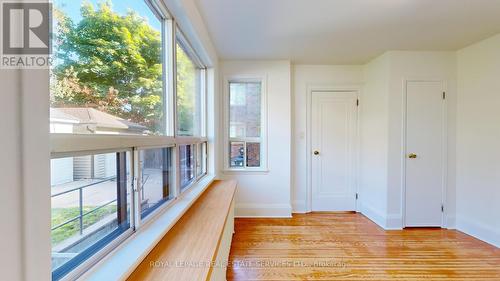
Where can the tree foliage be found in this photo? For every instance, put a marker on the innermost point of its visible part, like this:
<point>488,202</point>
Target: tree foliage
<point>111,62</point>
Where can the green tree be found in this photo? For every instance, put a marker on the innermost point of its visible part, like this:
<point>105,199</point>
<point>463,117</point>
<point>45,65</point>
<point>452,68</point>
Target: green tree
<point>111,62</point>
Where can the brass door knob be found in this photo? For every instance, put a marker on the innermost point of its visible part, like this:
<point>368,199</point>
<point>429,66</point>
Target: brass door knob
<point>412,155</point>
<point>316,152</point>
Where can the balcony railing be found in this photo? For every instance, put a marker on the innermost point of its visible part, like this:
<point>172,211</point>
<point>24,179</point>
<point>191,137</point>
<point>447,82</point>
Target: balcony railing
<point>82,214</point>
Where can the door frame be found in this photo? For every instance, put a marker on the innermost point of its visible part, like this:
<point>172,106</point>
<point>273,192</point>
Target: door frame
<point>444,147</point>
<point>355,88</point>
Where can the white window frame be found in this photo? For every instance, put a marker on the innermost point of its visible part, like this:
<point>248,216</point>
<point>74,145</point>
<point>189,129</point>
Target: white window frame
<point>67,145</point>
<point>263,124</point>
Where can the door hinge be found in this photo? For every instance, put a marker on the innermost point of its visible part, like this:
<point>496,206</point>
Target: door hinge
<point>357,102</point>
<point>442,208</point>
<point>444,95</point>
<point>357,196</point>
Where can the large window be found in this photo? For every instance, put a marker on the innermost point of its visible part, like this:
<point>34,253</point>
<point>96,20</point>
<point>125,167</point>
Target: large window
<point>245,125</point>
<point>127,124</point>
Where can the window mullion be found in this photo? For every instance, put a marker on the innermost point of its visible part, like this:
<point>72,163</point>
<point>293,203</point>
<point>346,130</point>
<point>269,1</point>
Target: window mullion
<point>137,189</point>
<point>244,154</point>
<point>171,78</point>
<point>195,160</point>
<point>121,183</point>
<point>204,99</point>
<point>165,70</point>
<point>177,171</point>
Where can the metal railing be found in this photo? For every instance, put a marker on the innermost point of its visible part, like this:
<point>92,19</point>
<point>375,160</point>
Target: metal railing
<point>82,214</point>
<point>144,180</point>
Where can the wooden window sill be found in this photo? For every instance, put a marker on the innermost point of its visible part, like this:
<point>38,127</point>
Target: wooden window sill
<point>189,250</point>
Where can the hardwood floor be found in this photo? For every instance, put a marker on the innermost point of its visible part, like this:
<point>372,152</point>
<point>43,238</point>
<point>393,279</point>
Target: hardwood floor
<point>347,246</point>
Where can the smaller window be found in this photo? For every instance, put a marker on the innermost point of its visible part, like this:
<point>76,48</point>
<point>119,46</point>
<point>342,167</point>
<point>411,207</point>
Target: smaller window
<point>187,164</point>
<point>154,179</point>
<point>245,125</point>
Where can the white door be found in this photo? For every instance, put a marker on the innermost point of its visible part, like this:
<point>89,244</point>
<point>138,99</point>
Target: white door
<point>333,135</point>
<point>424,153</point>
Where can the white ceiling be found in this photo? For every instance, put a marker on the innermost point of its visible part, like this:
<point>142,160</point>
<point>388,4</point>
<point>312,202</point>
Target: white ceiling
<point>344,31</point>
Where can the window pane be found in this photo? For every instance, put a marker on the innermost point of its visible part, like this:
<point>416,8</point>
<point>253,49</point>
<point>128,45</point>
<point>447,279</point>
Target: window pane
<point>187,156</point>
<point>253,154</point>
<point>237,154</point>
<point>90,205</point>
<point>244,109</point>
<point>108,69</point>
<point>155,169</point>
<point>188,94</point>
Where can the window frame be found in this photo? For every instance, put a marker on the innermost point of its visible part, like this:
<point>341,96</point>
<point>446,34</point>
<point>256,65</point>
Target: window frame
<point>262,79</point>
<point>69,145</point>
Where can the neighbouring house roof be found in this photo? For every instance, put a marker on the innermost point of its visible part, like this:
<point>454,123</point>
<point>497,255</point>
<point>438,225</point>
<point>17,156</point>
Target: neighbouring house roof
<point>92,116</point>
<point>58,116</point>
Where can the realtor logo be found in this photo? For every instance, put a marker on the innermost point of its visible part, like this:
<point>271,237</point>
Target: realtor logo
<point>25,28</point>
<point>25,34</point>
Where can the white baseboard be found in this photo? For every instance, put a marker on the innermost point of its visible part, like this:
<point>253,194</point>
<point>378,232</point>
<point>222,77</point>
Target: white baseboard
<point>478,230</point>
<point>373,214</point>
<point>299,206</point>
<point>249,210</point>
<point>394,222</point>
<point>387,222</point>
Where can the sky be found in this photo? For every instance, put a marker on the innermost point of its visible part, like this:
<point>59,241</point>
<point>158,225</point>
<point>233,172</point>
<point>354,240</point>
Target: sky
<point>72,9</point>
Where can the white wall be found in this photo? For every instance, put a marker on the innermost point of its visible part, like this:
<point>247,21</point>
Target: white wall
<point>373,131</point>
<point>266,193</point>
<point>306,77</point>
<point>36,174</point>
<point>25,183</point>
<point>478,140</point>
<point>190,21</point>
<point>11,185</point>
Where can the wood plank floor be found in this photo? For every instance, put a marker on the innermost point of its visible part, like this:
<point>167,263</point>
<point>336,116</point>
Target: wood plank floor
<point>349,246</point>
